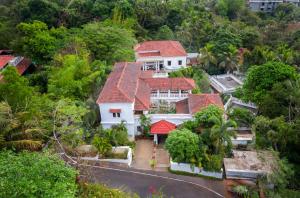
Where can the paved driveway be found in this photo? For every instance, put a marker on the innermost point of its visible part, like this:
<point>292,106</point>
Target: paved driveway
<point>143,182</point>
<point>143,154</point>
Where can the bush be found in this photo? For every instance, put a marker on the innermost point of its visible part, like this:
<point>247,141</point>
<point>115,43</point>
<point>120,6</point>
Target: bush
<point>213,163</point>
<point>100,191</point>
<point>183,146</point>
<point>243,117</point>
<point>35,175</point>
<point>117,135</point>
<point>102,145</point>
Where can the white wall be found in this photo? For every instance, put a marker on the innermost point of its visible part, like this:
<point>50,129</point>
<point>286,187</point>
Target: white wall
<point>184,167</point>
<point>107,119</point>
<point>174,61</point>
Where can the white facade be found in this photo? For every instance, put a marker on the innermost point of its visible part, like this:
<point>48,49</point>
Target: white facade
<point>159,63</point>
<point>126,115</point>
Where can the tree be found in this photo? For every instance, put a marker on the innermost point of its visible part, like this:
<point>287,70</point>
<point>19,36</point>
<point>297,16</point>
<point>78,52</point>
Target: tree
<point>68,122</point>
<point>38,42</point>
<point>145,124</point>
<point>243,117</point>
<point>164,33</point>
<point>35,175</point>
<point>260,79</point>
<point>206,117</point>
<point>220,135</point>
<point>206,56</point>
<point>183,146</point>
<point>78,76</point>
<point>13,134</point>
<point>15,89</point>
<point>108,42</point>
<point>271,133</point>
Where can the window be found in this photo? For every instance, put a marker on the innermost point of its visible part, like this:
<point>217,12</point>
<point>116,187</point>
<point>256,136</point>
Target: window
<point>180,62</point>
<point>116,115</point>
<point>169,63</point>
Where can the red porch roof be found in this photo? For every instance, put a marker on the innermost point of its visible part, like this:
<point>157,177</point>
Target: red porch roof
<point>162,127</point>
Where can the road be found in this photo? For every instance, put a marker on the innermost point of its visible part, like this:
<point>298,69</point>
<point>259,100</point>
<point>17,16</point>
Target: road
<point>143,182</point>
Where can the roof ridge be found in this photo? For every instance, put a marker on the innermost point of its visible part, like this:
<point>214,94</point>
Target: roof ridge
<point>175,47</point>
<point>120,79</point>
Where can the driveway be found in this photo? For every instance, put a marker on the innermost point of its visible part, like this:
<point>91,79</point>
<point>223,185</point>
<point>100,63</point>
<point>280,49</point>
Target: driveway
<point>145,182</point>
<point>143,154</point>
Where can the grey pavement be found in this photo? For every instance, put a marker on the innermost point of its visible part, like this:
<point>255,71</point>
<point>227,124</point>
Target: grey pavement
<point>143,182</point>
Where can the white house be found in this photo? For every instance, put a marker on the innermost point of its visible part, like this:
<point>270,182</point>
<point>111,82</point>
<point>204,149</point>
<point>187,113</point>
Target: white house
<point>161,56</point>
<point>130,92</point>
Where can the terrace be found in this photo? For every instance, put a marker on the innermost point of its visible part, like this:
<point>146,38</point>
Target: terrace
<point>226,83</point>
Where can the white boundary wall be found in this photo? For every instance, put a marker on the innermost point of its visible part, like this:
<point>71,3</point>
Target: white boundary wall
<point>127,161</point>
<point>185,167</point>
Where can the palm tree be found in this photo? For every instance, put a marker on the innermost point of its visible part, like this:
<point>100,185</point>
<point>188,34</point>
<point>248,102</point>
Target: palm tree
<point>206,56</point>
<point>221,135</point>
<point>231,60</point>
<point>13,134</point>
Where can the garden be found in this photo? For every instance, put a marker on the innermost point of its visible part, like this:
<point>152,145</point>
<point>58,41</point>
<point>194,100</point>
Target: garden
<point>204,141</point>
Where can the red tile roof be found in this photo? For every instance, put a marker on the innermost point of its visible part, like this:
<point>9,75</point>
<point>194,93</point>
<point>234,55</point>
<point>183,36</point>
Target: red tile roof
<point>4,60</point>
<point>121,84</point>
<point>142,98</point>
<point>128,84</point>
<point>171,83</point>
<point>160,48</point>
<point>196,102</point>
<point>23,65</point>
<point>162,127</point>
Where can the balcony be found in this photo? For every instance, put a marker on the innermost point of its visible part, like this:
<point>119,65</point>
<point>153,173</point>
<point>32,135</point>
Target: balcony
<point>164,95</point>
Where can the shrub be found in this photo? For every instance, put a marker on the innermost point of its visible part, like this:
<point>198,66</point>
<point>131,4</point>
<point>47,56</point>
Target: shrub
<point>243,117</point>
<point>35,175</point>
<point>183,146</point>
<point>213,163</point>
<point>99,191</point>
<point>102,145</point>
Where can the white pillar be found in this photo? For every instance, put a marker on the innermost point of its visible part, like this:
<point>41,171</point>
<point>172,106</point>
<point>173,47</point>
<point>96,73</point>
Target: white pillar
<point>155,139</point>
<point>169,93</point>
<point>158,93</point>
<point>179,93</point>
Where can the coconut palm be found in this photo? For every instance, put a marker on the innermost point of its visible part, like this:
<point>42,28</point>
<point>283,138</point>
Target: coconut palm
<point>206,56</point>
<point>231,60</point>
<point>221,135</point>
<point>12,132</point>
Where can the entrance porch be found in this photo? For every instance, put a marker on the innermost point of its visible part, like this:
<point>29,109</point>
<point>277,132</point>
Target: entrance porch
<point>161,129</point>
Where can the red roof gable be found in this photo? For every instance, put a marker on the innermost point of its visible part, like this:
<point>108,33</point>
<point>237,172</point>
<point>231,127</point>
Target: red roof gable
<point>160,48</point>
<point>171,83</point>
<point>121,84</point>
<point>196,102</point>
<point>4,60</point>
<point>162,127</point>
<point>23,65</point>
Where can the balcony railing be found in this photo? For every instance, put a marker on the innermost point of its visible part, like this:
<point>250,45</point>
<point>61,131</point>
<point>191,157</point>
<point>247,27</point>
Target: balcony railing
<point>168,95</point>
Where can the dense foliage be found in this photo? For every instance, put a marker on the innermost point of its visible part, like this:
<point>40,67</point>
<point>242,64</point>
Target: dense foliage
<point>204,141</point>
<point>75,43</point>
<point>35,175</point>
